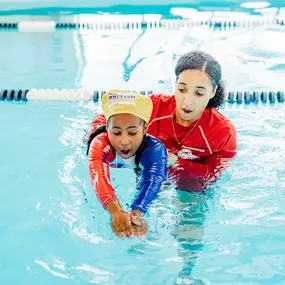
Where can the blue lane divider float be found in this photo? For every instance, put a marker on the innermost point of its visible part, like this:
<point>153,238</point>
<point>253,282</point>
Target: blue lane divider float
<point>215,24</point>
<point>9,26</point>
<point>25,95</point>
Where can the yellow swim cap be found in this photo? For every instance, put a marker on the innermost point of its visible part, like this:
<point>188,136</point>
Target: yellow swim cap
<point>120,101</point>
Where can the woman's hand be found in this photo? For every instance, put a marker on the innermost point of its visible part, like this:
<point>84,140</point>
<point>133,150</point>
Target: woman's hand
<point>139,224</point>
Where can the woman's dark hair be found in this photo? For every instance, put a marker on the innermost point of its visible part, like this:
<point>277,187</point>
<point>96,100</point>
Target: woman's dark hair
<point>200,60</point>
<point>103,129</point>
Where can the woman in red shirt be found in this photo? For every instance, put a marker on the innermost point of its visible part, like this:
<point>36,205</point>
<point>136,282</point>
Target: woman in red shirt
<point>200,140</point>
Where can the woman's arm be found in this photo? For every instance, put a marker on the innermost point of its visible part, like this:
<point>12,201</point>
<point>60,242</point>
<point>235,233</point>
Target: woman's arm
<point>154,161</point>
<point>196,176</point>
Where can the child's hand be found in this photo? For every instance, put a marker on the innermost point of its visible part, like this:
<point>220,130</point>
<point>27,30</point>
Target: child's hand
<point>138,223</point>
<point>121,224</point>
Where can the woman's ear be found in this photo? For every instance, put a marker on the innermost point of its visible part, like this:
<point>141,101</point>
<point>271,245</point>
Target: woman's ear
<point>214,92</point>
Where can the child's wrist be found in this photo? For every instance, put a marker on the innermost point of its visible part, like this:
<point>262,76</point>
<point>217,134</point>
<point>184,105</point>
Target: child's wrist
<point>114,207</point>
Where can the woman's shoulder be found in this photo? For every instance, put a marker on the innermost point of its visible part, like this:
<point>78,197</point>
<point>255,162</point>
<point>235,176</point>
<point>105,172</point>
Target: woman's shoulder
<point>219,120</point>
<point>161,98</point>
<point>163,105</point>
<point>221,130</point>
<point>218,131</point>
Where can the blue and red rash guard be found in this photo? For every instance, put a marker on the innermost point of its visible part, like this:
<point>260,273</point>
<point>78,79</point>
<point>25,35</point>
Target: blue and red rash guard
<point>153,161</point>
<point>203,153</point>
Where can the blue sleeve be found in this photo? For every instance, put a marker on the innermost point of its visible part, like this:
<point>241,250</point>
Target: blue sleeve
<point>154,162</point>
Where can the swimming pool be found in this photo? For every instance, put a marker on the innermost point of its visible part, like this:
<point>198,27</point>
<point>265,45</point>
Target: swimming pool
<point>53,230</point>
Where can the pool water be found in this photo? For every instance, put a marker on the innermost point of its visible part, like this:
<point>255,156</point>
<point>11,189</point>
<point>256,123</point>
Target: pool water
<point>53,230</point>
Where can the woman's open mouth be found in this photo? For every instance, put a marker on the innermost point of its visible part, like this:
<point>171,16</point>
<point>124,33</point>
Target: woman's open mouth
<point>187,111</point>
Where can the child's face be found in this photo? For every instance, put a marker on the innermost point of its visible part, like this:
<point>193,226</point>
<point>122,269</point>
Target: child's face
<point>193,90</point>
<point>126,133</point>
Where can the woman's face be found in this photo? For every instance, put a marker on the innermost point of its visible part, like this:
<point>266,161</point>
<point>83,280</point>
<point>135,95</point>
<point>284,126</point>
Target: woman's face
<point>193,90</point>
<point>125,132</point>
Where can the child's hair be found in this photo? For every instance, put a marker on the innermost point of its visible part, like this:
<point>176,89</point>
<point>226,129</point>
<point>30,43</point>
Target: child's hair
<point>95,133</point>
<point>103,129</point>
<point>200,60</point>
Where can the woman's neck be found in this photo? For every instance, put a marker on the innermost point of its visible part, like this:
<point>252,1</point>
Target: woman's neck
<point>185,123</point>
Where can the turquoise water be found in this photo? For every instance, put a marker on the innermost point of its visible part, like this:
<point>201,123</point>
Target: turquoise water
<point>53,229</point>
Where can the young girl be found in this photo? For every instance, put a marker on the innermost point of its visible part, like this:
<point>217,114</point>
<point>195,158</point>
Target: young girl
<point>124,142</point>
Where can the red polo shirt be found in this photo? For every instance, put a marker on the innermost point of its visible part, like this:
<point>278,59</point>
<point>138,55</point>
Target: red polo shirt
<point>204,148</point>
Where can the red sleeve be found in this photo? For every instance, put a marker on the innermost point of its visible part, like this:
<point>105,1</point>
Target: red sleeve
<point>156,100</point>
<point>99,121</point>
<point>100,155</point>
<point>197,176</point>
<point>159,101</point>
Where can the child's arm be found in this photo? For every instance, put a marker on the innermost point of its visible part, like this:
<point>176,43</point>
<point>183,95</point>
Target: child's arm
<point>154,161</point>
<point>100,155</point>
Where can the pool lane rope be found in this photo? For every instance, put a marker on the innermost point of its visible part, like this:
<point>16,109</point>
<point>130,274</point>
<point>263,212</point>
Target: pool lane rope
<point>216,24</point>
<point>25,95</point>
